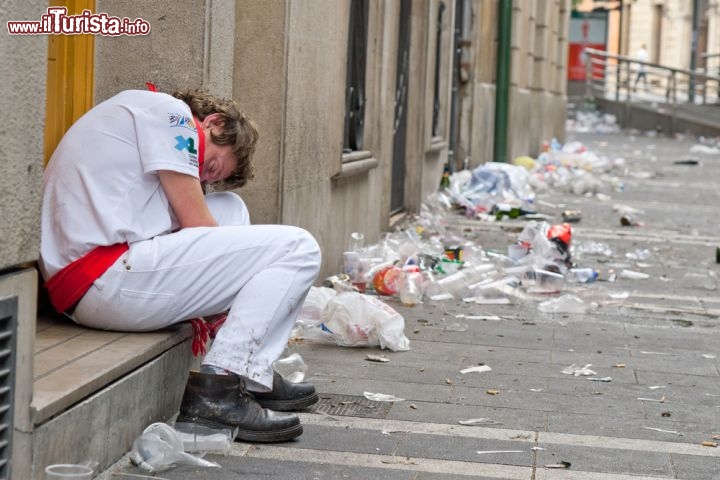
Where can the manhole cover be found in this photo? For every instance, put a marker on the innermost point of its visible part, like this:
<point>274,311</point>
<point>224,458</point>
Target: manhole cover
<point>351,406</point>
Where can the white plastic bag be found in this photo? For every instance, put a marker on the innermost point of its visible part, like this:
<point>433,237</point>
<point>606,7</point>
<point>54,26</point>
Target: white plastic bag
<point>358,320</point>
<point>160,448</point>
<point>308,325</point>
<point>315,302</point>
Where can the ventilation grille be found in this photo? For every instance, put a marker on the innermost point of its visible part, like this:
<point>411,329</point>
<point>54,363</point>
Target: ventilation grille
<point>8,329</point>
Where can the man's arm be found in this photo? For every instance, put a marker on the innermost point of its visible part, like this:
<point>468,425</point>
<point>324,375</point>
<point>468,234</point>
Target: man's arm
<point>186,199</point>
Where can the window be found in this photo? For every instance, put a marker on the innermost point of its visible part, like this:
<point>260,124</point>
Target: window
<point>438,63</point>
<point>355,91</point>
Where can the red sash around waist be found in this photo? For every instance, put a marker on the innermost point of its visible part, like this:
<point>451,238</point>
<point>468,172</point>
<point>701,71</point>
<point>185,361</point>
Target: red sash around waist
<point>68,286</point>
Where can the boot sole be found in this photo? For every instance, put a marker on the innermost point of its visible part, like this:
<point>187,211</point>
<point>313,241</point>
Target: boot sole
<point>289,405</point>
<point>273,436</point>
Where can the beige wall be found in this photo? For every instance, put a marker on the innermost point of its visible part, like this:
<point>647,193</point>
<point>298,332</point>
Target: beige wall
<point>260,82</point>
<point>171,55</point>
<point>24,65</point>
<point>676,31</point>
<point>538,99</point>
<point>539,52</point>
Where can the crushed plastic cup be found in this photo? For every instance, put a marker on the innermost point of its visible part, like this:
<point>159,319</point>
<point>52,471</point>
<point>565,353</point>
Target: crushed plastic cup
<point>159,448</point>
<point>578,371</point>
<point>516,251</point>
<point>292,368</point>
<point>590,247</point>
<point>351,265</point>
<point>633,275</point>
<point>539,280</point>
<point>382,397</point>
<point>706,280</point>
<point>565,304</point>
<point>67,471</point>
<point>198,438</point>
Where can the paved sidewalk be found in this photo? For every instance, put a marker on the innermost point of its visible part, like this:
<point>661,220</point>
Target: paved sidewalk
<point>659,346</point>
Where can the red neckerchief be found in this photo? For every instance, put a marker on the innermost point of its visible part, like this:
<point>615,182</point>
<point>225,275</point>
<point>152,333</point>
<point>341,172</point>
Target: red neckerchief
<point>201,146</point>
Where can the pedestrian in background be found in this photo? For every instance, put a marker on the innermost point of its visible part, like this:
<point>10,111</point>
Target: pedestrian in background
<point>642,56</point>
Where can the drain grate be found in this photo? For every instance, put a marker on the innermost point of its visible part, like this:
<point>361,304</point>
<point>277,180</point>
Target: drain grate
<point>351,406</point>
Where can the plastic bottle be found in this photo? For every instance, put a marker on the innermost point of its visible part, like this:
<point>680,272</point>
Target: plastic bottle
<point>410,290</point>
<point>445,179</point>
<point>582,275</point>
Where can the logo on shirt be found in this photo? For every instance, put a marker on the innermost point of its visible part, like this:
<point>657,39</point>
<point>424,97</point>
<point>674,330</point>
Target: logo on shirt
<point>185,143</point>
<point>182,121</point>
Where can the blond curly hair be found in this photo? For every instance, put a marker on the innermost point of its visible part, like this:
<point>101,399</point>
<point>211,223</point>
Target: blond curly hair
<point>238,131</point>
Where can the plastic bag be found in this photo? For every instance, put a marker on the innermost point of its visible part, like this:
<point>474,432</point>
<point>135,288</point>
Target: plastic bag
<point>160,448</point>
<point>357,320</point>
<point>315,302</point>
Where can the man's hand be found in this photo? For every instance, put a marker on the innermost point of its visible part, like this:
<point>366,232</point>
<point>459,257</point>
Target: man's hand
<point>186,199</point>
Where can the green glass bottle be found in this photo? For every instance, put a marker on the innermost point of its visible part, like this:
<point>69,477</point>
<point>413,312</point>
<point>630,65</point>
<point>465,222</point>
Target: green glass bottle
<point>445,179</point>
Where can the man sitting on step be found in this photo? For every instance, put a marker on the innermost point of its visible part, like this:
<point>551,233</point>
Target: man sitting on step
<point>130,242</point>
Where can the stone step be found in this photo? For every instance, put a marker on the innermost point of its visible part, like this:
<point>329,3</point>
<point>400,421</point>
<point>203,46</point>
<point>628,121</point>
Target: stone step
<point>95,391</point>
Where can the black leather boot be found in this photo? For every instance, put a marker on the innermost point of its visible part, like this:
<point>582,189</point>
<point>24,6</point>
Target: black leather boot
<point>286,396</point>
<point>221,401</point>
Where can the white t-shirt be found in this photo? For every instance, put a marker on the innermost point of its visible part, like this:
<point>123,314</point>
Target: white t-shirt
<point>642,56</point>
<point>101,184</point>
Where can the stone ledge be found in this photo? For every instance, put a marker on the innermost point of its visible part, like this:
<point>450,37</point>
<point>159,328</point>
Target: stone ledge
<point>102,427</point>
<point>73,362</point>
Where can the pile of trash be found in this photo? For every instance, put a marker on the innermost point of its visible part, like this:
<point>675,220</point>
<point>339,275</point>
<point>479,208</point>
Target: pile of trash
<point>592,121</point>
<point>425,261</point>
<point>427,264</point>
<point>494,191</point>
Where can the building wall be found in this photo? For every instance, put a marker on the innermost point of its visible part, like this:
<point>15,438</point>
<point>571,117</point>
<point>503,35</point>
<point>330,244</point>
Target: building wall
<point>538,97</point>
<point>24,64</point>
<point>676,31</point>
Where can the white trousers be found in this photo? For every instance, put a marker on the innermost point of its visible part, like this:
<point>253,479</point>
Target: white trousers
<point>261,273</point>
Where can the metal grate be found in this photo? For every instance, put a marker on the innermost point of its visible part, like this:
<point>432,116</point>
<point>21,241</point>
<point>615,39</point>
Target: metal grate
<point>8,330</point>
<point>351,406</point>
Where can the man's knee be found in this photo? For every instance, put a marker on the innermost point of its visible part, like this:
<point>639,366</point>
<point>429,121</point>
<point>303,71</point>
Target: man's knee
<point>308,246</point>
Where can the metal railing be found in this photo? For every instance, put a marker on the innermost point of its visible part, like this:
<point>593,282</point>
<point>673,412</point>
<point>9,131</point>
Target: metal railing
<point>622,78</point>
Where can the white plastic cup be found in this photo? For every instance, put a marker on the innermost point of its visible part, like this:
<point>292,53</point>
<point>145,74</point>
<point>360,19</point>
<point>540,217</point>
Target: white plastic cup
<point>351,265</point>
<point>516,252</point>
<point>68,471</point>
<point>292,368</point>
<point>357,240</point>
